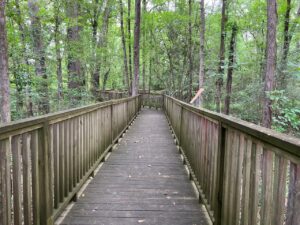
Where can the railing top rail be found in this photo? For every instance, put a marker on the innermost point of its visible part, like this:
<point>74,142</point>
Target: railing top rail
<point>276,139</point>
<point>61,115</point>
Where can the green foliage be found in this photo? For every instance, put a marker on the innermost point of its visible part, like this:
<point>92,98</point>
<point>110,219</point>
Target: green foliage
<point>286,113</point>
<point>164,52</point>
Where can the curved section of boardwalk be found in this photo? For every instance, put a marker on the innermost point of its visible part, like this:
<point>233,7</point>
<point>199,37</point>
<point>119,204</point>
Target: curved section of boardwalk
<point>142,182</point>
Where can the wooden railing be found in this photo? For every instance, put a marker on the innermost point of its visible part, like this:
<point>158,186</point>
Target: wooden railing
<point>153,100</point>
<point>44,161</point>
<point>245,174</point>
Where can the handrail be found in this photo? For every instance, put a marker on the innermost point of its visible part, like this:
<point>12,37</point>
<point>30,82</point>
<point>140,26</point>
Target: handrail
<point>288,143</point>
<point>45,160</point>
<point>245,174</point>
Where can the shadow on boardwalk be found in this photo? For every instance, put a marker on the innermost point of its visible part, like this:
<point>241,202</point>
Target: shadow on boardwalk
<point>142,182</point>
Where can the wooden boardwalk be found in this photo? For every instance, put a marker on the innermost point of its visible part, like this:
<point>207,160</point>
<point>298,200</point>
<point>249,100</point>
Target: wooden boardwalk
<point>142,182</point>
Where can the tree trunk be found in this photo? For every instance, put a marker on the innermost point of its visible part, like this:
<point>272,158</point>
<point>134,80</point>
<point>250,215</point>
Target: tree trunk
<point>25,58</point>
<point>58,52</point>
<point>124,47</point>
<point>105,78</point>
<point>129,44</point>
<point>288,35</point>
<point>150,75</point>
<point>40,57</point>
<point>190,73</point>
<point>231,62</point>
<point>219,82</point>
<point>271,50</point>
<point>202,49</point>
<point>4,77</point>
<point>102,42</point>
<point>144,45</point>
<point>95,76</point>
<point>137,30</point>
<point>75,74</point>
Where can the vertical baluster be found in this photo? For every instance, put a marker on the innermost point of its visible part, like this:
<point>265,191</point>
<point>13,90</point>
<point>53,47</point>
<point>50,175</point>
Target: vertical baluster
<point>293,215</point>
<point>280,183</point>
<point>5,182</point>
<point>61,155</point>
<point>246,183</point>
<point>226,180</point>
<point>17,174</point>
<point>35,177</point>
<point>71,153</point>
<point>254,183</point>
<point>267,187</point>
<point>26,179</point>
<point>66,157</point>
<point>56,165</point>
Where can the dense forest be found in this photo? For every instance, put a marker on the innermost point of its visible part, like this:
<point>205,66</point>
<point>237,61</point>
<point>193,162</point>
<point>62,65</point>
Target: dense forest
<point>243,55</point>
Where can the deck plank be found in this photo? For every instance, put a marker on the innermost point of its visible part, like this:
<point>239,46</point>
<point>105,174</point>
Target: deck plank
<point>142,182</point>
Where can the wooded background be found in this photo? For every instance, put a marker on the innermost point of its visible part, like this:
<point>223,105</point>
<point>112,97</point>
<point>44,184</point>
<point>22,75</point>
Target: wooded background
<point>244,53</point>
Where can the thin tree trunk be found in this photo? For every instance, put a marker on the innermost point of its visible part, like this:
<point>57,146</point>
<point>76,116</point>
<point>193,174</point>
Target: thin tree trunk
<point>219,82</point>
<point>75,74</point>
<point>202,49</point>
<point>58,53</point>
<point>288,35</point>
<point>124,47</point>
<point>137,31</point>
<point>129,44</point>
<point>231,62</point>
<point>21,25</point>
<point>102,42</point>
<point>40,57</point>
<point>18,80</point>
<point>105,78</point>
<point>190,71</point>
<point>4,77</point>
<point>150,76</point>
<point>144,45</point>
<point>270,61</point>
<point>95,76</point>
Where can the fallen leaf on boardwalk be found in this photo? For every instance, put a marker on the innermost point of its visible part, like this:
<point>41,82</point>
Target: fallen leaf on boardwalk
<point>141,221</point>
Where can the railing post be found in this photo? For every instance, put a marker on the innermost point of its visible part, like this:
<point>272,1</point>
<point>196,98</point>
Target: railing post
<point>5,183</point>
<point>45,175</point>
<point>180,126</point>
<point>111,123</point>
<point>221,172</point>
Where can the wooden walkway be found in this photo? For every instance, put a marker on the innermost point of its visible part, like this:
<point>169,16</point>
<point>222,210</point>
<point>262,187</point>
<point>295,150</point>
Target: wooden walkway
<point>142,182</point>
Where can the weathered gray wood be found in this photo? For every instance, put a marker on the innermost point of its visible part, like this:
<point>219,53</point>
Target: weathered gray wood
<point>293,215</point>
<point>280,176</point>
<point>143,180</point>
<point>61,162</point>
<point>35,177</point>
<point>282,141</point>
<point>246,183</point>
<point>254,183</point>
<point>5,184</point>
<point>17,173</point>
<point>66,163</point>
<point>45,175</point>
<point>56,159</point>
<point>267,187</point>
<point>27,196</point>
